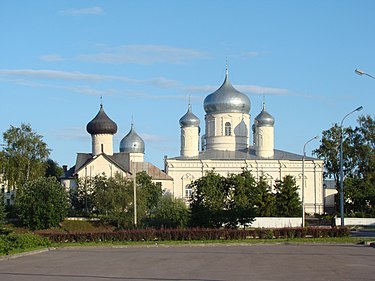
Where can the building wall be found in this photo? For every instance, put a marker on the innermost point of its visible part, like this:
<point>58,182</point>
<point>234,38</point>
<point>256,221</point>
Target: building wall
<point>264,141</point>
<point>189,141</point>
<point>100,166</point>
<point>185,171</point>
<point>102,143</point>
<point>216,138</point>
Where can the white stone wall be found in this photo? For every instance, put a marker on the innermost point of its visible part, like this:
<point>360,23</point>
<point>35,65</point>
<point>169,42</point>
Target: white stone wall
<point>264,141</point>
<point>189,141</point>
<point>185,171</point>
<point>99,166</point>
<point>102,143</point>
<point>276,222</point>
<point>215,131</point>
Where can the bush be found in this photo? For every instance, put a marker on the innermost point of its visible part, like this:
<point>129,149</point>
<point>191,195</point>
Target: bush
<point>24,241</point>
<point>42,203</point>
<point>196,234</point>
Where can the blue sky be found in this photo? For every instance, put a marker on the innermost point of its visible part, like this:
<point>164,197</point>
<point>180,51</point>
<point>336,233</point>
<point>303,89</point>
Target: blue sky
<point>147,57</point>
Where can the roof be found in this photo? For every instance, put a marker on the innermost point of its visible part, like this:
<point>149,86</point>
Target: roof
<point>227,99</point>
<point>189,119</point>
<point>132,142</point>
<point>248,154</point>
<point>101,124</point>
<point>151,170</point>
<point>120,160</point>
<point>83,159</point>
<point>264,119</point>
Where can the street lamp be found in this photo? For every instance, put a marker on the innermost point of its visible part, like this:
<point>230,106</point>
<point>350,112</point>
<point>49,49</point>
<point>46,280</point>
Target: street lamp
<point>341,169</point>
<point>303,179</point>
<point>361,72</point>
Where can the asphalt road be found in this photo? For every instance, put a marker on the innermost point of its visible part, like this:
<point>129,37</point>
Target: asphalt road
<point>197,263</point>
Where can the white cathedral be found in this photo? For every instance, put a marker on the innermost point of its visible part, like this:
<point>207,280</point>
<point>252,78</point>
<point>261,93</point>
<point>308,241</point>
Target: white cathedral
<point>225,148</point>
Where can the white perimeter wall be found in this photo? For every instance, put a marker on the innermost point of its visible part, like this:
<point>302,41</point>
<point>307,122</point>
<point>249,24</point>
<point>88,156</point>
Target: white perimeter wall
<point>276,222</point>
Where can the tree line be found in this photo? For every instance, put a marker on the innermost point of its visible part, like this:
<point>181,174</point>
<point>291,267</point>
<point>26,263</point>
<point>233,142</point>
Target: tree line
<point>216,200</point>
<point>358,164</point>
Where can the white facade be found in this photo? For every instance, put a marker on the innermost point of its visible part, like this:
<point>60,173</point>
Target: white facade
<point>184,172</point>
<point>189,141</point>
<point>102,143</point>
<point>263,141</point>
<point>227,131</point>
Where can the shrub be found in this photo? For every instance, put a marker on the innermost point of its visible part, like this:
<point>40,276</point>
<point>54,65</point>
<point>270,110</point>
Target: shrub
<point>23,241</point>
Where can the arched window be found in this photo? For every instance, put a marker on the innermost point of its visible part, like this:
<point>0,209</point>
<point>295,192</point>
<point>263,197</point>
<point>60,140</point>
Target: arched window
<point>228,129</point>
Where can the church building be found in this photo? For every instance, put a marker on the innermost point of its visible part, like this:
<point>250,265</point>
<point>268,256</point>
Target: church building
<point>103,161</point>
<point>226,148</point>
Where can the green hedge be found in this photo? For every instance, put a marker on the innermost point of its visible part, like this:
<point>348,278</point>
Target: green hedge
<point>13,242</point>
<point>196,234</point>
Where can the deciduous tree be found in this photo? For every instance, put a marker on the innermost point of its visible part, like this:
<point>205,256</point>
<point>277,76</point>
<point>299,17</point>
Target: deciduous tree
<point>24,156</point>
<point>42,203</point>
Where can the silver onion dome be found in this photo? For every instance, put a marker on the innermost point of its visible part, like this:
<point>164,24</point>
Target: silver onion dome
<point>189,119</point>
<point>264,119</point>
<point>227,99</point>
<point>132,142</point>
<point>101,124</point>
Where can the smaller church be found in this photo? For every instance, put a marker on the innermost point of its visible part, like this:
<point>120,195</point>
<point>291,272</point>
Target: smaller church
<point>103,160</point>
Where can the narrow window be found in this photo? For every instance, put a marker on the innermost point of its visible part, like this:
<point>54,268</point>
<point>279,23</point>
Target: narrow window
<point>228,129</point>
<point>188,191</point>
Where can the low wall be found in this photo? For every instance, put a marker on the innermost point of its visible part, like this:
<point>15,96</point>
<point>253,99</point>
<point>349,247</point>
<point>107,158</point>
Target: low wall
<point>357,221</point>
<point>276,222</point>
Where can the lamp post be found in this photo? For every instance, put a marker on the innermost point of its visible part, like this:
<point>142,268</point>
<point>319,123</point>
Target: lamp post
<point>361,72</point>
<point>303,179</point>
<point>135,192</point>
<point>341,168</point>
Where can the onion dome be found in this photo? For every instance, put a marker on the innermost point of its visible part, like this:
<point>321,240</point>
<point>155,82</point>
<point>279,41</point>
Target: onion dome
<point>101,124</point>
<point>264,119</point>
<point>227,99</point>
<point>189,119</point>
<point>132,142</point>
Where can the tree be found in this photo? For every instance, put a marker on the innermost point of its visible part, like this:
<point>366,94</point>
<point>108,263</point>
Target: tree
<point>2,211</point>
<point>208,201</point>
<point>264,199</point>
<point>24,156</point>
<point>42,203</point>
<point>113,199</point>
<point>240,209</point>
<point>150,193</point>
<point>358,163</point>
<point>170,212</point>
<point>82,198</point>
<point>53,169</point>
<point>287,199</point>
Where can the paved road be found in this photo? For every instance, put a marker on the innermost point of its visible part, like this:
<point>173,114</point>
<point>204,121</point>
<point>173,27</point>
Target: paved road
<point>363,233</point>
<point>197,263</point>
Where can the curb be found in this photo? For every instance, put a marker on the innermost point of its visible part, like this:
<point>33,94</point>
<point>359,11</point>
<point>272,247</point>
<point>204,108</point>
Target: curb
<point>24,254</point>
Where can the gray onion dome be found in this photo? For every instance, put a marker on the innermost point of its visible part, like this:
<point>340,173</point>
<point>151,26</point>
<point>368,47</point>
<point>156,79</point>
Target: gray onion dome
<point>227,99</point>
<point>132,142</point>
<point>101,124</point>
<point>264,119</point>
<point>189,119</point>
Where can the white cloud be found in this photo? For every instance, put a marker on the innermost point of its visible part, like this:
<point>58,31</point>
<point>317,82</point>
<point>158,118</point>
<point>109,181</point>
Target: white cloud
<point>143,54</point>
<point>263,90</point>
<point>71,133</point>
<point>79,76</point>
<point>83,11</point>
<point>153,138</point>
<point>51,58</point>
